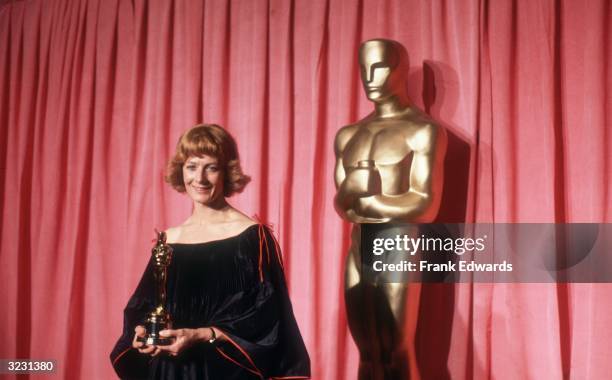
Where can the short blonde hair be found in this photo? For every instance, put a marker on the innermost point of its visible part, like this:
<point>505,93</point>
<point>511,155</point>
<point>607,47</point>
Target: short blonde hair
<point>211,140</point>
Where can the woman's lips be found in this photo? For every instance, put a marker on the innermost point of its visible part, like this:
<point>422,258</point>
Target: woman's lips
<point>201,189</point>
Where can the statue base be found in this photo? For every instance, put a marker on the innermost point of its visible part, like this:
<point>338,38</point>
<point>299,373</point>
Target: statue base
<point>154,324</point>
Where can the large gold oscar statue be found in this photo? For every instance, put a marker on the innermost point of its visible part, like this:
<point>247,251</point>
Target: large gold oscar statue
<point>389,169</point>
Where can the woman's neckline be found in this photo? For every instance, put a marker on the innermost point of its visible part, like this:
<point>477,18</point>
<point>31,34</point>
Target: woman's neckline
<point>218,240</point>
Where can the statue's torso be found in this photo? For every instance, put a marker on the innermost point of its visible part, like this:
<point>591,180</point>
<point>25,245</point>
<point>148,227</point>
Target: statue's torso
<point>387,142</point>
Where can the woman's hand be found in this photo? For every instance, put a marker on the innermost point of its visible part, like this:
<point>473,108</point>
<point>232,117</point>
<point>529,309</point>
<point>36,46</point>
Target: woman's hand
<point>140,331</point>
<point>183,339</point>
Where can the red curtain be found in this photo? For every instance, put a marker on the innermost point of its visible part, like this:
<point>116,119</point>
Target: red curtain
<point>94,94</point>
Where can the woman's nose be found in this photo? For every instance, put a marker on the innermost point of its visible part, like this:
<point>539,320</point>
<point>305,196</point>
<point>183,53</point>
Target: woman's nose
<point>202,177</point>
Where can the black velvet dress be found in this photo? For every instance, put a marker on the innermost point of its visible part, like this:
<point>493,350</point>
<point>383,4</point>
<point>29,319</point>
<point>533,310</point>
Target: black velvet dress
<point>236,285</point>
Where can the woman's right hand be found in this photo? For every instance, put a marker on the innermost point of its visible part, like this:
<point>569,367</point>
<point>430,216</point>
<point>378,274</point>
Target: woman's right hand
<point>142,347</point>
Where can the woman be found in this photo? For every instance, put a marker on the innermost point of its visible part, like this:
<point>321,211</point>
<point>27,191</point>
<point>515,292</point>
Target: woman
<point>226,292</point>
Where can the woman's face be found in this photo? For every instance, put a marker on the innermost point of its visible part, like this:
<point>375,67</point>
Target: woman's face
<point>203,179</point>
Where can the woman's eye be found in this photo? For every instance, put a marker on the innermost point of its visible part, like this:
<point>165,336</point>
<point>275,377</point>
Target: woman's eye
<point>190,167</point>
<point>212,169</point>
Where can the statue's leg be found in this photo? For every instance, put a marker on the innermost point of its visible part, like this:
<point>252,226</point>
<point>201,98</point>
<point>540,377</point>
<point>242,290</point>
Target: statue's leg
<point>359,298</point>
<point>399,329</point>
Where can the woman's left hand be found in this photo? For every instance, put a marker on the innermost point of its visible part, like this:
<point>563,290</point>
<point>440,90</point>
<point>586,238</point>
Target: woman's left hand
<point>183,339</point>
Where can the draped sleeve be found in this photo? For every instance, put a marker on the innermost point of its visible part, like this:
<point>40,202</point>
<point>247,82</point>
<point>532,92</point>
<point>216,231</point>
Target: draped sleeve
<point>127,361</point>
<point>261,330</point>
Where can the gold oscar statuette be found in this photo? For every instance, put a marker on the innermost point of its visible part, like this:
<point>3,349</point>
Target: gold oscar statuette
<point>159,319</point>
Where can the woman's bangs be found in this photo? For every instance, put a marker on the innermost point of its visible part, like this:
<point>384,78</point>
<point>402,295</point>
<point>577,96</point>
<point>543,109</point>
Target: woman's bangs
<point>199,148</point>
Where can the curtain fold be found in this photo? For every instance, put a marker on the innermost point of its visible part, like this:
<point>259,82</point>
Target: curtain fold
<point>95,93</point>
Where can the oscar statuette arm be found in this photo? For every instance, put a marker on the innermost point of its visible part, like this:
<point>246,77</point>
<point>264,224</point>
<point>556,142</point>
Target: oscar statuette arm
<point>343,200</point>
<point>346,198</point>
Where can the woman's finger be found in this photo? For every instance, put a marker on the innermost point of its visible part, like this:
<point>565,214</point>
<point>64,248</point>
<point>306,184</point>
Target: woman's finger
<point>147,349</point>
<point>139,331</point>
<point>156,351</point>
<point>173,348</point>
<point>169,333</point>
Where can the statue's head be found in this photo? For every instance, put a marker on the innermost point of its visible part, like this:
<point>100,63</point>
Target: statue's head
<point>384,65</point>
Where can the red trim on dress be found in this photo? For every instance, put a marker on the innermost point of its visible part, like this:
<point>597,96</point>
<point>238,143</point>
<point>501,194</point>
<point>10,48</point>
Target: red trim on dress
<point>121,354</point>
<point>264,240</point>
<point>246,355</point>
<point>237,363</point>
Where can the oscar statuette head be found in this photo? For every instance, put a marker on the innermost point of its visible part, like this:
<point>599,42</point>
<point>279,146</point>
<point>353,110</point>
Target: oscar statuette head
<point>384,65</point>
